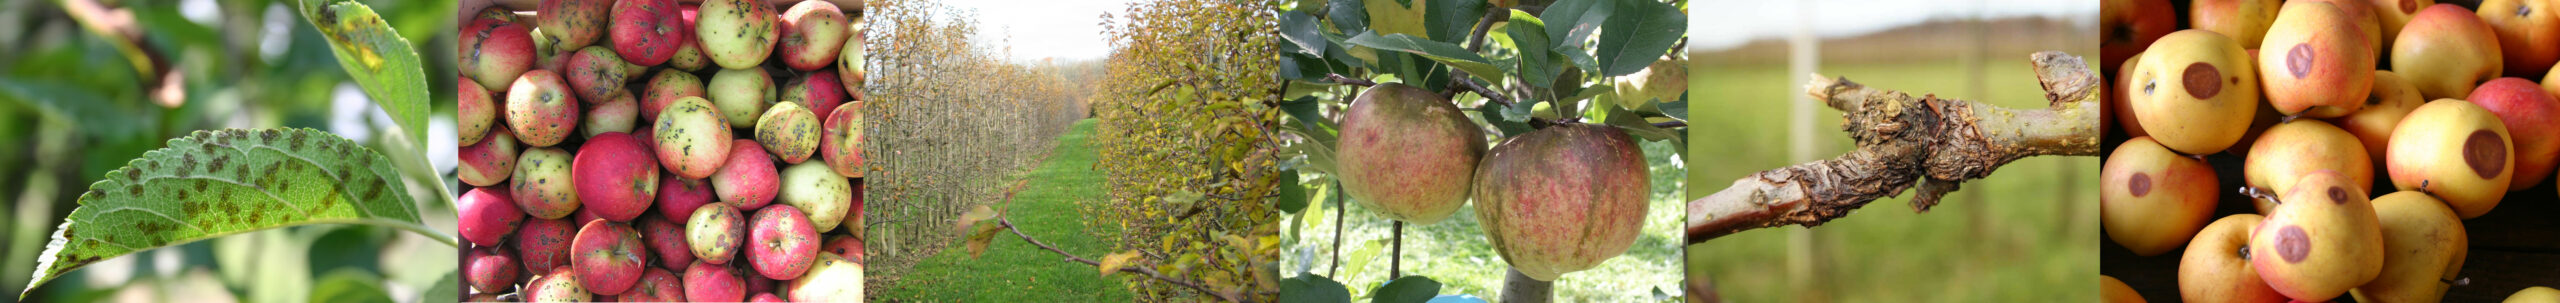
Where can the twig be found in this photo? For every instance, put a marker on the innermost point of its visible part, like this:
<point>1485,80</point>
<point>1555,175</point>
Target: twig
<point>1489,94</point>
<point>1339,78</point>
<point>1140,270</point>
<point>1901,139</point>
<point>1395,258</point>
<point>1337,233</point>
<point>1672,124</point>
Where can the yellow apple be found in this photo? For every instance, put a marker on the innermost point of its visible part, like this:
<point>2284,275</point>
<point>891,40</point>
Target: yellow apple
<point>2424,245</point>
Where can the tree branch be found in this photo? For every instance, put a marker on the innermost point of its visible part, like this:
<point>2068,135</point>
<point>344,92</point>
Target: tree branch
<point>1139,270</point>
<point>1939,143</point>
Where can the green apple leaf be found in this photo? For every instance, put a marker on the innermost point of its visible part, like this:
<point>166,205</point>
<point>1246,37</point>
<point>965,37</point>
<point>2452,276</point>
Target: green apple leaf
<point>219,183</point>
<point>1443,52</point>
<point>1637,35</point>
<point>378,58</point>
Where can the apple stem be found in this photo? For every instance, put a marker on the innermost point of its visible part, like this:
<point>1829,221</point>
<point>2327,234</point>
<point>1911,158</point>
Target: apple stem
<point>2260,193</point>
<point>1905,142</point>
<point>1395,267</point>
<point>1337,233</point>
<point>1520,288</point>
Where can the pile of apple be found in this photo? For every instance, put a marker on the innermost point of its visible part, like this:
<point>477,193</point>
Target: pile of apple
<point>590,182</point>
<point>2320,96</point>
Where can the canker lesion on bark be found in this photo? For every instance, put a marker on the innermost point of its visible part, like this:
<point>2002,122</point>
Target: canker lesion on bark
<point>1904,141</point>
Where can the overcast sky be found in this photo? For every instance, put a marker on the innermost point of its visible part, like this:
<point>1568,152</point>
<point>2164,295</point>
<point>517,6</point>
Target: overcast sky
<point>1716,24</point>
<point>1063,29</point>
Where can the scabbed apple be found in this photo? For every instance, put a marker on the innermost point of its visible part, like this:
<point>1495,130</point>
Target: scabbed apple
<point>830,279</point>
<point>841,145</point>
<point>789,131</point>
<point>495,52</point>
<point>2130,26</point>
<point>617,116</point>
<point>665,88</point>
<point>2195,92</point>
<point>714,232</point>
<point>678,197</point>
<point>818,91</point>
<point>707,282</point>
<point>1562,199</point>
<point>2308,67</point>
<point>490,269</point>
<point>2445,51</point>
<point>2215,267</point>
<point>597,74</point>
<point>693,140</point>
<point>487,215</point>
<point>665,240</point>
<point>2323,239</point>
<point>748,178</point>
<point>845,246</point>
<point>1408,154</point>
<point>2532,117</point>
<point>812,32</point>
<point>2392,99</point>
<point>2115,291</point>
<point>737,34</point>
<point>656,285</point>
<point>849,65</point>
<point>473,112</point>
<point>647,31</point>
<point>2455,150</point>
<point>2153,199</point>
<point>2292,149</point>
<point>489,162</point>
<point>544,243</point>
<point>608,257</point>
<point>560,285</point>
<point>573,23</point>
<point>541,109</point>
<point>742,95</point>
<point>2425,244</point>
<point>818,191</point>
<point>544,185</point>
<point>2528,34</point>
<point>781,243</point>
<point>616,177</point>
<point>2245,21</point>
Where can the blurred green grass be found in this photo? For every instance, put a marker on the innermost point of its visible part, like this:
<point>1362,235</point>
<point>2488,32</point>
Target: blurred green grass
<point>1014,271</point>
<point>2021,235</point>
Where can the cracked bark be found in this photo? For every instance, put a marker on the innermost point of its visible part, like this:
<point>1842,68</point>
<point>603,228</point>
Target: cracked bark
<point>1905,142</point>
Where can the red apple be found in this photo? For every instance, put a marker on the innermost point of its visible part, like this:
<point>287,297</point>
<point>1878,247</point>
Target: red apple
<point>2446,51</point>
<point>2532,117</point>
<point>2528,34</point>
<point>2310,68</point>
<point>2245,21</point>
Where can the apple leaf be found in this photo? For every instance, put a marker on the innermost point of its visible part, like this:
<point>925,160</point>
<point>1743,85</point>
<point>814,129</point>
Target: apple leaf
<point>218,183</point>
<point>1408,289</point>
<point>1312,288</point>
<point>1443,52</point>
<point>378,58</point>
<point>1113,262</point>
<point>1638,35</point>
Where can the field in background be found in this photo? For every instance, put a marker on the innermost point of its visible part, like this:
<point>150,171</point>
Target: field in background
<point>2024,234</point>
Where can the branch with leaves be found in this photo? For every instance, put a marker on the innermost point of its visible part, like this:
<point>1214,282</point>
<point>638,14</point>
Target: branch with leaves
<point>1904,142</point>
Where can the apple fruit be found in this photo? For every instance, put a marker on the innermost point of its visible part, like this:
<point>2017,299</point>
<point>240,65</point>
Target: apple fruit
<point>1408,153</point>
<point>2425,244</point>
<point>812,33</point>
<point>2153,199</point>
<point>2115,291</point>
<point>2245,21</point>
<point>489,162</point>
<point>2322,239</point>
<point>1562,199</point>
<point>647,31</point>
<point>541,109</point>
<point>665,88</point>
<point>2119,103</point>
<point>2129,27</point>
<point>2292,149</point>
<point>2528,34</point>
<point>573,24</point>
<point>495,52</point>
<point>2196,92</point>
<point>2446,51</point>
<point>2455,150</point>
<point>2392,99</point>
<point>737,34</point>
<point>742,95</point>
<point>2364,16</point>
<point>2532,117</point>
<point>2394,14</point>
<point>2536,294</point>
<point>2215,267</point>
<point>2310,68</point>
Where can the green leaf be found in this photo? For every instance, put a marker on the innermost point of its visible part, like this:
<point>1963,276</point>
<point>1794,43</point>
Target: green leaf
<point>1348,16</point>
<point>378,58</point>
<point>1570,22</point>
<point>218,183</point>
<point>1637,126</point>
<point>1312,288</point>
<point>1443,52</point>
<point>1301,31</point>
<point>349,285</point>
<point>1305,110</point>
<point>1639,36</point>
<point>1293,195</point>
<point>1528,33</point>
<point>1511,120</point>
<point>1409,289</point>
<point>447,289</point>
<point>1452,21</point>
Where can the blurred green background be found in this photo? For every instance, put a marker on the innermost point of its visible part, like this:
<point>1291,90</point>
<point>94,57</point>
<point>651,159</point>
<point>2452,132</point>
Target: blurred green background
<point>2021,235</point>
<point>84,90</point>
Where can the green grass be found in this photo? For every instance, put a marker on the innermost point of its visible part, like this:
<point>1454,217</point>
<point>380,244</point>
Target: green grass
<point>2023,234</point>
<point>1014,271</point>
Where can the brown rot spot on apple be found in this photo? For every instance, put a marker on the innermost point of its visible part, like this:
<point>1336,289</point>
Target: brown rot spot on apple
<point>2293,244</point>
<point>2202,80</point>
<point>2337,195</point>
<point>2298,60</point>
<point>2408,6</point>
<point>2486,152</point>
<point>2141,184</point>
<point>2524,10</point>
